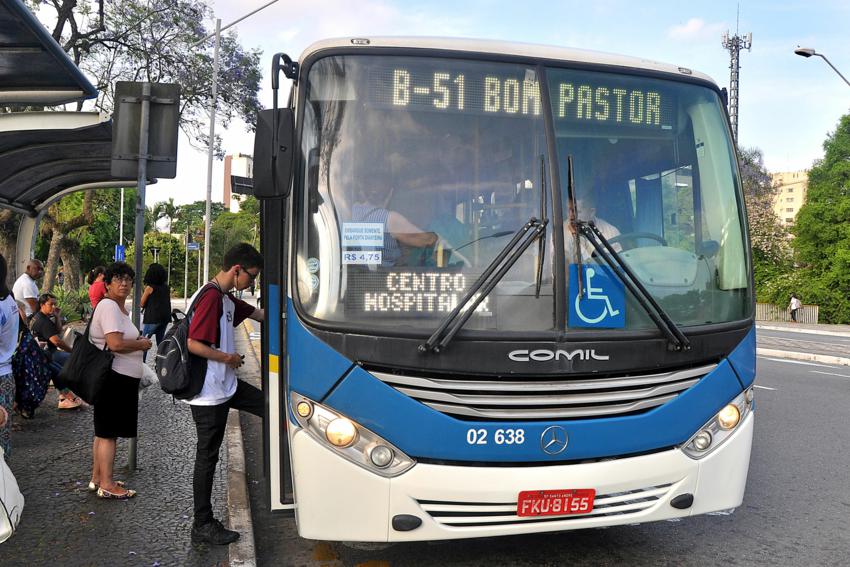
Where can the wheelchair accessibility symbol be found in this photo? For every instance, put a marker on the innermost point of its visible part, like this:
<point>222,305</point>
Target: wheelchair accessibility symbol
<point>602,303</point>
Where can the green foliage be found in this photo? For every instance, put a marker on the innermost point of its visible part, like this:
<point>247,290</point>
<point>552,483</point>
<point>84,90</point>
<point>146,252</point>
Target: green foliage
<point>72,303</point>
<point>230,229</point>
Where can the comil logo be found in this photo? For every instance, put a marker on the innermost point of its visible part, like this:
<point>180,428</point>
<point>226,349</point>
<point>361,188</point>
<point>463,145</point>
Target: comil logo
<point>545,355</point>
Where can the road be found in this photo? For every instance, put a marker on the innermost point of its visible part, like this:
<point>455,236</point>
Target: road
<point>794,512</point>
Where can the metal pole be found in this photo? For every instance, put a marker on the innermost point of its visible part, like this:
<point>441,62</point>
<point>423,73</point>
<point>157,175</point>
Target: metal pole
<point>833,67</point>
<point>211,142</point>
<point>186,270</point>
<point>121,222</point>
<point>199,268</point>
<point>141,184</point>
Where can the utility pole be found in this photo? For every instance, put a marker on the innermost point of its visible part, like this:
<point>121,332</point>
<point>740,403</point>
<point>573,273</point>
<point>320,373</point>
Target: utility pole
<point>734,45</point>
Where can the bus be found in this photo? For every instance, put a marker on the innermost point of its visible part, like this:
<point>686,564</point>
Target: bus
<point>508,290</point>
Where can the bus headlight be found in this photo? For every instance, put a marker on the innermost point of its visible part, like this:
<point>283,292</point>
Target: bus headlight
<point>348,438</point>
<point>711,435</point>
<point>341,432</point>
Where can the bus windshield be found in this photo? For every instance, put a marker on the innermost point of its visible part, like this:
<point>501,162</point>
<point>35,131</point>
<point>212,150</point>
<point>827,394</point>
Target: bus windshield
<point>417,171</point>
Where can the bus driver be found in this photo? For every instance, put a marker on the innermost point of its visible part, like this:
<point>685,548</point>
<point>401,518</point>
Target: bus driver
<point>586,211</point>
<point>371,205</point>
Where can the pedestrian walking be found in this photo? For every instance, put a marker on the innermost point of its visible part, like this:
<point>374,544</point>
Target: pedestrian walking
<point>156,301</point>
<point>795,306</point>
<point>211,336</point>
<point>116,412</point>
<point>26,287</point>
<point>97,289</point>
<point>9,318</point>
<point>46,327</point>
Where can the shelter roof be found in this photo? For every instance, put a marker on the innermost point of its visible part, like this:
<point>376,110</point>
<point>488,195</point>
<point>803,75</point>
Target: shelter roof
<point>34,70</point>
<point>44,155</point>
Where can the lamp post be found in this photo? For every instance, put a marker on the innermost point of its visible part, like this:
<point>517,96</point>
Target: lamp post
<point>211,142</point>
<point>808,52</point>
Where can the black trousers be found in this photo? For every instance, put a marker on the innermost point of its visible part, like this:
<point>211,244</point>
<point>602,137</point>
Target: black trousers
<point>210,423</point>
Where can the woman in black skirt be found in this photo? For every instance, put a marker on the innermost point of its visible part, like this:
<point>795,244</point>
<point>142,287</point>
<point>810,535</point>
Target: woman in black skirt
<point>117,409</point>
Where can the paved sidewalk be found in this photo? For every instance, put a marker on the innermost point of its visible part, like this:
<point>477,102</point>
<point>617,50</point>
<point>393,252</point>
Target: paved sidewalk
<point>818,329</point>
<point>64,524</point>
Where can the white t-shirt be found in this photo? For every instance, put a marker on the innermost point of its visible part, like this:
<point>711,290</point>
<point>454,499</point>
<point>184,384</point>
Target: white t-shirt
<point>25,288</point>
<point>108,318</point>
<point>796,303</point>
<point>607,229</point>
<point>220,381</point>
<point>9,319</point>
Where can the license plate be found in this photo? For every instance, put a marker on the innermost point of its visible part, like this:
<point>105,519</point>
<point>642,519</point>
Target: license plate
<point>555,502</point>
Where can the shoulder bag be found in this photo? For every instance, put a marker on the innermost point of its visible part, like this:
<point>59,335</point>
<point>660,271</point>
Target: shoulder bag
<point>87,368</point>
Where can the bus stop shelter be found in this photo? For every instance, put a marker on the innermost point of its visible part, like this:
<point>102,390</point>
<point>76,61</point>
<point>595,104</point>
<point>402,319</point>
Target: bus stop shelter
<point>45,155</point>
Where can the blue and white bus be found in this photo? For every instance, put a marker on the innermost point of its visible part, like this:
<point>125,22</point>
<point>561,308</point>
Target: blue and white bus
<point>509,290</point>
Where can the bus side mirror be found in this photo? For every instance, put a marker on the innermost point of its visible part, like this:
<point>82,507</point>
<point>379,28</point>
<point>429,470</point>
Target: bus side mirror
<point>273,165</point>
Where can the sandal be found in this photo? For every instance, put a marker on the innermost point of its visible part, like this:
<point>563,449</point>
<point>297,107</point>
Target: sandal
<point>103,493</point>
<point>93,487</point>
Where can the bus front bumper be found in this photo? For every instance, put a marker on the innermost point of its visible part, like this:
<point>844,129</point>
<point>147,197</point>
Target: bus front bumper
<point>340,501</point>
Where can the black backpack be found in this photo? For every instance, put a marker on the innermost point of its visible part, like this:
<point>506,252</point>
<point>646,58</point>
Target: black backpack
<point>180,373</point>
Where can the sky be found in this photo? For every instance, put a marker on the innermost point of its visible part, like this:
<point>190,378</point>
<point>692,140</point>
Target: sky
<point>788,104</point>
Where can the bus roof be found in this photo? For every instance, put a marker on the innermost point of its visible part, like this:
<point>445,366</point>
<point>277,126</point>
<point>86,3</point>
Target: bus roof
<point>506,48</point>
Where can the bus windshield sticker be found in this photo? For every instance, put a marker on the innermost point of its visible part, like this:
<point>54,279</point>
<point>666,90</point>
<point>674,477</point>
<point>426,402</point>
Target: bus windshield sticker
<point>602,303</point>
<point>362,234</point>
<point>364,258</point>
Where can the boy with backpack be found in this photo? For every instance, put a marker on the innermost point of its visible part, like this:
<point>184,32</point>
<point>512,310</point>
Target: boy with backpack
<point>216,313</point>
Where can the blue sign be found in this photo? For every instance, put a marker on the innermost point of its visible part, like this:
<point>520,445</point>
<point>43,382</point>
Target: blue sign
<point>193,246</point>
<point>603,301</point>
<point>119,253</point>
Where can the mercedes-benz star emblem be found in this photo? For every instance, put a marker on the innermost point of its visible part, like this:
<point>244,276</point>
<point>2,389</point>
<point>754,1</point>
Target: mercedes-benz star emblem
<point>554,440</point>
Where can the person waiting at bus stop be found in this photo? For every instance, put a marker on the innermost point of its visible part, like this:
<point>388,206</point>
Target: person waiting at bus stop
<point>46,327</point>
<point>211,336</point>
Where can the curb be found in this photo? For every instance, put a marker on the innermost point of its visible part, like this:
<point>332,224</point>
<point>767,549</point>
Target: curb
<point>804,356</point>
<point>242,552</point>
<point>803,331</point>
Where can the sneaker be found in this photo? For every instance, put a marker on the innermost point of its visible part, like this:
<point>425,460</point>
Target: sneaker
<point>213,532</point>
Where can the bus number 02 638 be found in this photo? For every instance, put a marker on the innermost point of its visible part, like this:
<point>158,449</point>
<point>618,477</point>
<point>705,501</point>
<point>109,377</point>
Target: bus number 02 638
<point>500,437</point>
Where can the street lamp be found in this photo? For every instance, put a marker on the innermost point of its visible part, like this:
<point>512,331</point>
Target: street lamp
<point>217,36</point>
<point>808,52</point>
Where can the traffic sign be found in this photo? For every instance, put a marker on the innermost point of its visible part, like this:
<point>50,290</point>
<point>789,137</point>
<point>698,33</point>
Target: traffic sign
<point>119,253</point>
<point>193,246</point>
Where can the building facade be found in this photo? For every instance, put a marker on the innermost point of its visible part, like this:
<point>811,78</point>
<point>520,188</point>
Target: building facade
<point>791,194</point>
<point>241,165</point>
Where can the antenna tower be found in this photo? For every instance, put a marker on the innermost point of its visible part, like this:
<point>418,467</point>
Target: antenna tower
<point>735,44</point>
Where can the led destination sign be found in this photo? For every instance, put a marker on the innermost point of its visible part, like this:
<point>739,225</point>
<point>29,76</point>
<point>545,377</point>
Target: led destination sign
<point>591,98</point>
<point>407,292</point>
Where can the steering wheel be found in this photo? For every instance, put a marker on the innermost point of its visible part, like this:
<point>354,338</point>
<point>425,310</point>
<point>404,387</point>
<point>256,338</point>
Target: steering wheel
<point>628,240</point>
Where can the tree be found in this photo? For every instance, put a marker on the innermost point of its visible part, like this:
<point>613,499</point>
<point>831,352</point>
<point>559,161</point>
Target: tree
<point>769,238</point>
<point>59,223</point>
<point>822,230</point>
<point>168,210</point>
<point>154,40</point>
<point>144,40</point>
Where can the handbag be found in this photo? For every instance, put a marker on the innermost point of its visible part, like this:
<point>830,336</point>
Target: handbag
<point>11,501</point>
<point>87,368</point>
<point>33,372</point>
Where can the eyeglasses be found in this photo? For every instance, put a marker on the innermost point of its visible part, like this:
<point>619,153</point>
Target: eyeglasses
<point>251,276</point>
<point>122,279</point>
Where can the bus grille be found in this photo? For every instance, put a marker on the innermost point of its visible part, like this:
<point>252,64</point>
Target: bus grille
<point>568,398</point>
<point>479,514</point>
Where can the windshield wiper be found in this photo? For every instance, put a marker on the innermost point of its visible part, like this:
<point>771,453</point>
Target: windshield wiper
<point>541,242</point>
<point>493,274</point>
<point>676,339</point>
